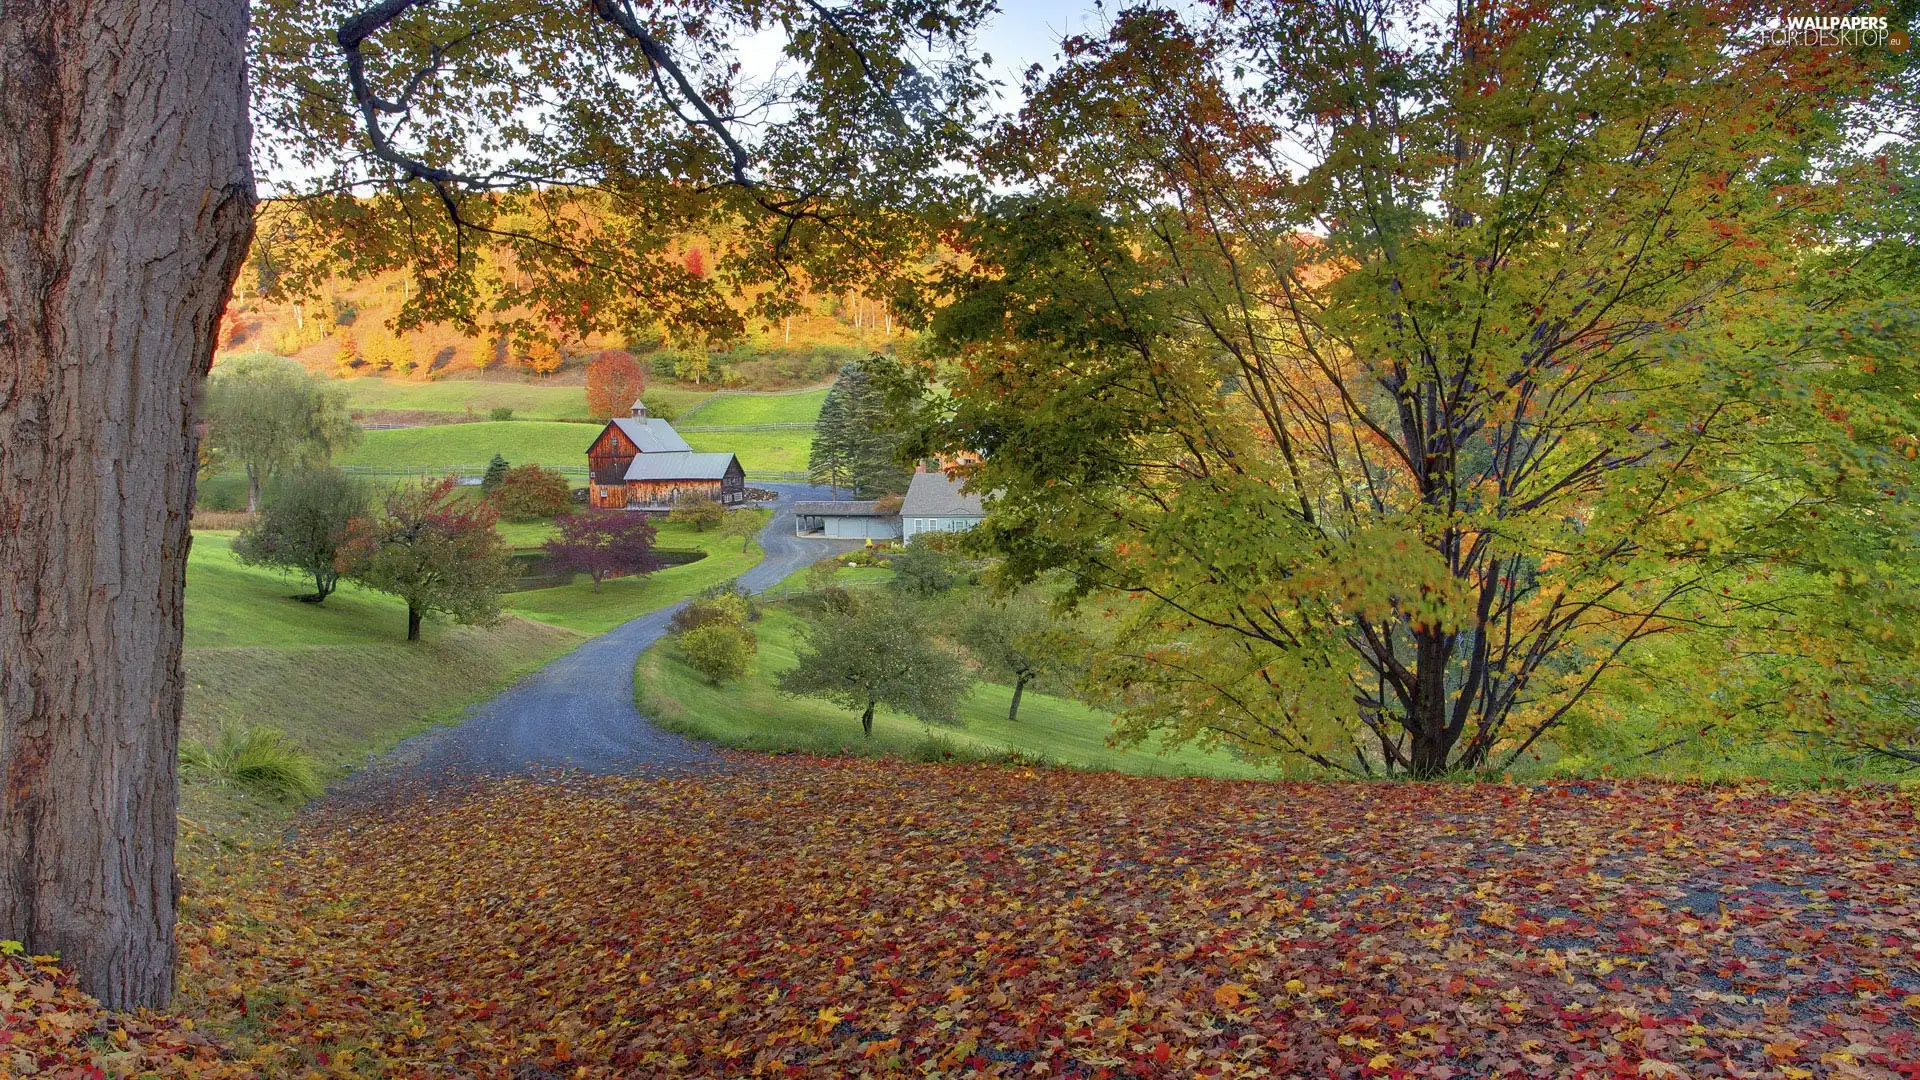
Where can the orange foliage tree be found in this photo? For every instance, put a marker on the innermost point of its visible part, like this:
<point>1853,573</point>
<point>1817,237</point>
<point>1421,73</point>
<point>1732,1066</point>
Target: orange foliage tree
<point>542,357</point>
<point>615,380</point>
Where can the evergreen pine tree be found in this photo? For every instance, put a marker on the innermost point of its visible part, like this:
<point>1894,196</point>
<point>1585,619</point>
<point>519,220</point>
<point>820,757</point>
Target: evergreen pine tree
<point>827,461</point>
<point>851,444</point>
<point>496,472</point>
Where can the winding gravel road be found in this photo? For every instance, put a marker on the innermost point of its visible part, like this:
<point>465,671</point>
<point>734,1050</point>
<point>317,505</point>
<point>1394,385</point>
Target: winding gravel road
<point>577,712</point>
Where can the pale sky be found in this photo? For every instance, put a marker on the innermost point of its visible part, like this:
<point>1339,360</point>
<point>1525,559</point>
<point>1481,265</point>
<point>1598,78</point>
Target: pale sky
<point>1029,31</point>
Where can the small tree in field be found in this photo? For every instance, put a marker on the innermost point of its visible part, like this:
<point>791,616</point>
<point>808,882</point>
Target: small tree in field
<point>603,543</point>
<point>615,380</point>
<point>530,493</point>
<point>718,650</point>
<point>743,525</point>
<point>434,549</point>
<point>697,511</point>
<point>878,654</point>
<point>1009,638</point>
<point>304,526</point>
<point>268,414</point>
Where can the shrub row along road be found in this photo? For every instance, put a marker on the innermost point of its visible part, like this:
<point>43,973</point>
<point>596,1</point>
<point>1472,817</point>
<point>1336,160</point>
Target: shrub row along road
<point>577,712</point>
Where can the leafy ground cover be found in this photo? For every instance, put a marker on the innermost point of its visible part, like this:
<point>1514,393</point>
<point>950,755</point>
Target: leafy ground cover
<point>751,714</point>
<point>727,408</point>
<point>50,1029</point>
<point>578,607</point>
<point>806,917</point>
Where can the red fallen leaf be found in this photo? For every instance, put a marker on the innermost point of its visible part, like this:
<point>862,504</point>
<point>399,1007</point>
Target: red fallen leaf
<point>1112,917</point>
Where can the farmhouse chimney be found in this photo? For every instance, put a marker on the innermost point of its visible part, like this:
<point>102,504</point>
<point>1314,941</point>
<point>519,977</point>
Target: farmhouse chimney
<point>639,410</point>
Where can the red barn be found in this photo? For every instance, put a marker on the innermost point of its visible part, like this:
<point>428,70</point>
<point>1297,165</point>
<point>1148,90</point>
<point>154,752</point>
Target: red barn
<point>640,463</point>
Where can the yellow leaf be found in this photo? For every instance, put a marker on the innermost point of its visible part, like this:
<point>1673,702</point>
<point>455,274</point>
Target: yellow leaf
<point>1229,995</point>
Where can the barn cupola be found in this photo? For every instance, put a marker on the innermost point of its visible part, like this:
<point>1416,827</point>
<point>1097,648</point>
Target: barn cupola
<point>639,410</point>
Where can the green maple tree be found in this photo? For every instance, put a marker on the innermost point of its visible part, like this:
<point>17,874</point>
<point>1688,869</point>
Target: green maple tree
<point>1407,390</point>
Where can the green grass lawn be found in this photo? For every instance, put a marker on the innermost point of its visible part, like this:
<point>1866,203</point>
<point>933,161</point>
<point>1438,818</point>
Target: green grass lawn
<point>750,714</point>
<point>578,607</point>
<point>725,408</point>
<point>529,442</point>
<point>529,401</point>
<point>759,451</point>
<point>233,605</point>
<point>524,442</point>
<point>855,577</point>
<point>339,678</point>
<point>526,534</point>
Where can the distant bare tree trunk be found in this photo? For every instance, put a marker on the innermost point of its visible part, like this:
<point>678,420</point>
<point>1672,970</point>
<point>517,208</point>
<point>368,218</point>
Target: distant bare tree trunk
<point>126,203</point>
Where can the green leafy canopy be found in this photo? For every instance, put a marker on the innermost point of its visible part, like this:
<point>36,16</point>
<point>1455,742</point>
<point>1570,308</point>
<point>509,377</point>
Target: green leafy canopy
<point>538,166</point>
<point>1408,381</point>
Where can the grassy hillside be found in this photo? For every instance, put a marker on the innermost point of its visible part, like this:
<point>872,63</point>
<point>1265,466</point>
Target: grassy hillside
<point>729,409</point>
<point>578,607</point>
<point>529,442</point>
<point>759,451</point>
<point>341,680</point>
<point>338,678</point>
<point>529,401</point>
<point>751,714</point>
<point>460,397</point>
<point>230,604</point>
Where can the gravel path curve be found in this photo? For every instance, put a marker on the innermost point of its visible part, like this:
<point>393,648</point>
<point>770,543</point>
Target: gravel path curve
<point>577,713</point>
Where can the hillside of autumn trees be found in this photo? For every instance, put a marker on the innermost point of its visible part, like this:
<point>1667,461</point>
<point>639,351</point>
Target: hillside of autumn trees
<point>294,300</point>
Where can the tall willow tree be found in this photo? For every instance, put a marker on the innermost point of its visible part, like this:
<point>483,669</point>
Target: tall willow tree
<point>1412,382</point>
<point>530,164</point>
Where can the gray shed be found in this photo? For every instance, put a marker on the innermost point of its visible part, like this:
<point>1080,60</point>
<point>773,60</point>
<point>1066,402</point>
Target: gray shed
<point>844,521</point>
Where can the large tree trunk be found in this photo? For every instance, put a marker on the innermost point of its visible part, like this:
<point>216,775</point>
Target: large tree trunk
<point>1432,737</point>
<point>866,720</point>
<point>413,623</point>
<point>126,202</point>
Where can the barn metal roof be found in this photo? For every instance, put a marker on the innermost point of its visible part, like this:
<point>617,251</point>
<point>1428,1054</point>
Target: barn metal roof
<point>841,509</point>
<point>652,435</point>
<point>932,494</point>
<point>678,465</point>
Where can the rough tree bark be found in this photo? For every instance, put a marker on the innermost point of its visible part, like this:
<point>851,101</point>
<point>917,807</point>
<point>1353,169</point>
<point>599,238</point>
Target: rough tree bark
<point>126,203</point>
<point>1020,682</point>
